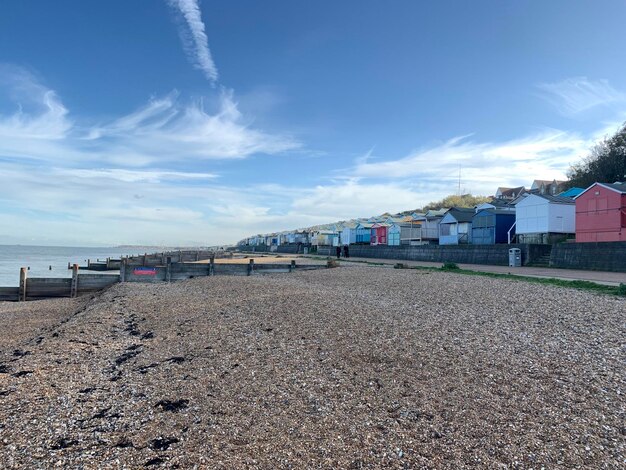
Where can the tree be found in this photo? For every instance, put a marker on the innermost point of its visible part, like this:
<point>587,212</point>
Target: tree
<point>454,200</point>
<point>605,164</point>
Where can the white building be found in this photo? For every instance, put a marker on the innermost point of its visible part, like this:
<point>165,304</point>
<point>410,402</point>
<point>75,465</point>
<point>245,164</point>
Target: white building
<point>542,218</point>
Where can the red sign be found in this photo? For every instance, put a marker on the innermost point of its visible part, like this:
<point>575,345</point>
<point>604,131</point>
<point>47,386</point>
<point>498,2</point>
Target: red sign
<point>144,271</point>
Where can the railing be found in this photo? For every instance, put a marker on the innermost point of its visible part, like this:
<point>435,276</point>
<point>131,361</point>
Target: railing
<point>508,234</point>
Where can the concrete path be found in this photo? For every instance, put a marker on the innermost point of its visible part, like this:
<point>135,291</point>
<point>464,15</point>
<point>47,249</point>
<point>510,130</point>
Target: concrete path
<point>600,277</point>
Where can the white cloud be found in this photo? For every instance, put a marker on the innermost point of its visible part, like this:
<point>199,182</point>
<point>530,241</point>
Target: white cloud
<point>131,176</point>
<point>194,38</point>
<point>483,165</point>
<point>578,94</point>
<point>164,130</point>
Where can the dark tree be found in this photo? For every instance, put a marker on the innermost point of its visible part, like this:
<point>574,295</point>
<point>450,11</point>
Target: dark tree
<point>605,164</point>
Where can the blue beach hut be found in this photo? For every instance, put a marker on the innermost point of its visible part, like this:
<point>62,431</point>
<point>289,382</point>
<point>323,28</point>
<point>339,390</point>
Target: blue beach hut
<point>363,233</point>
<point>491,226</point>
<point>456,226</point>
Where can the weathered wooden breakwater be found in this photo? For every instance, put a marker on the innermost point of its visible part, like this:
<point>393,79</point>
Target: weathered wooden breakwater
<point>152,259</point>
<point>137,269</point>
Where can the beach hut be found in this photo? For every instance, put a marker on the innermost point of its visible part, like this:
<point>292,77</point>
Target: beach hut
<point>456,226</point>
<point>327,238</point>
<point>572,192</point>
<point>348,234</point>
<point>411,231</point>
<point>491,226</point>
<point>379,234</point>
<point>393,234</point>
<point>542,218</point>
<point>363,233</point>
<point>601,213</point>
<point>495,203</point>
<point>429,225</point>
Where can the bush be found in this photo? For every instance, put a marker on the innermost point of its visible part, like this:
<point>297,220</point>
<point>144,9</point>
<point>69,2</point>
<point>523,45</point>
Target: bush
<point>621,290</point>
<point>448,266</point>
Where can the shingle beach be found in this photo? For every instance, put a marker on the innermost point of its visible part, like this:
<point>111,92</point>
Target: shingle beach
<point>354,367</point>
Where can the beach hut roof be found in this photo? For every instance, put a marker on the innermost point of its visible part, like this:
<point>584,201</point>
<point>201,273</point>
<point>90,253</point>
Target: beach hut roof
<point>556,199</point>
<point>437,212</point>
<point>461,214</point>
<point>572,192</point>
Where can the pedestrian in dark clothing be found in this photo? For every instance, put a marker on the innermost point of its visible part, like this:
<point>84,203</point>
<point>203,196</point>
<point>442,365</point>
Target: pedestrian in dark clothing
<point>338,252</point>
<point>346,253</point>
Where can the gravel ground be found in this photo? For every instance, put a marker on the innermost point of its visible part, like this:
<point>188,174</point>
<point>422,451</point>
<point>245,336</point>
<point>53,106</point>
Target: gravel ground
<point>355,367</point>
<point>26,322</point>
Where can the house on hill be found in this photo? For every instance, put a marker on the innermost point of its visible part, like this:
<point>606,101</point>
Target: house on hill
<point>551,188</point>
<point>546,219</point>
<point>601,213</point>
<point>456,226</point>
<point>509,194</point>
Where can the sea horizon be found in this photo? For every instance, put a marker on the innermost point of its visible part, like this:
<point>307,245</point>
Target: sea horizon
<point>52,260</point>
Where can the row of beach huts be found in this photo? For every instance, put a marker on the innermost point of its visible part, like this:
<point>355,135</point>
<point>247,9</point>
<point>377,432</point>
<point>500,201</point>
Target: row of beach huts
<point>548,212</point>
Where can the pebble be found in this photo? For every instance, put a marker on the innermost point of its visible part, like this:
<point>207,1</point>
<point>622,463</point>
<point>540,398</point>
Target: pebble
<point>332,366</point>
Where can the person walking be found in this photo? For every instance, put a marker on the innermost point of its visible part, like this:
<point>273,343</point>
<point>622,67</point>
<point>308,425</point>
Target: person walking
<point>346,253</point>
<point>338,252</point>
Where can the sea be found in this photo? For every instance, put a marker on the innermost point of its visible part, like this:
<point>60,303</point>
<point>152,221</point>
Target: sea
<point>51,261</point>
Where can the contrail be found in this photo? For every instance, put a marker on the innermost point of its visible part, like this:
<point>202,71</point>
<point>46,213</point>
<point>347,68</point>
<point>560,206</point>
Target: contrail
<point>194,38</point>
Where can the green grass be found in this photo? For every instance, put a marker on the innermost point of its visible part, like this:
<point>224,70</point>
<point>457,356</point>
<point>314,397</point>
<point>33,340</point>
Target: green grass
<point>324,258</point>
<point>574,284</point>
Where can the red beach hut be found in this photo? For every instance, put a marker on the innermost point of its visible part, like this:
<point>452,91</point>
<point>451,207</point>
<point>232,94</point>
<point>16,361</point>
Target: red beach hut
<point>379,234</point>
<point>601,213</point>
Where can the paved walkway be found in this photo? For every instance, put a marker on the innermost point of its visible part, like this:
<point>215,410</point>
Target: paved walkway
<point>600,277</point>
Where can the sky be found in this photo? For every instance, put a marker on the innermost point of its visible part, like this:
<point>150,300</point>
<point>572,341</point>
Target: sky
<point>185,122</point>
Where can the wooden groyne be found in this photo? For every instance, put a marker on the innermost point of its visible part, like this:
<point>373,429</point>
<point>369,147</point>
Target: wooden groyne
<point>151,259</point>
<point>142,268</point>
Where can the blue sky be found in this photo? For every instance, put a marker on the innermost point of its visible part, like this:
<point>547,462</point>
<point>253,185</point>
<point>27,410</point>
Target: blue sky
<point>185,122</point>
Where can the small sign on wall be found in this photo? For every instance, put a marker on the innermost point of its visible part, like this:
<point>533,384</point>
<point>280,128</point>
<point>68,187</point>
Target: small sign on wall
<point>144,271</point>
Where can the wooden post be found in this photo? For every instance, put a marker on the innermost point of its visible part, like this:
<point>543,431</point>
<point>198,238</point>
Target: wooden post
<point>292,266</point>
<point>144,259</point>
<point>74,285</point>
<point>251,267</point>
<point>23,279</point>
<point>212,266</point>
<point>88,263</point>
<point>168,269</point>
<point>123,262</point>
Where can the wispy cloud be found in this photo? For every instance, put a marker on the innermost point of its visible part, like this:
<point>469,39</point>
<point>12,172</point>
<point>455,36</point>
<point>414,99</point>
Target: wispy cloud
<point>194,37</point>
<point>130,176</point>
<point>129,167</point>
<point>163,130</point>
<point>39,113</point>
<point>578,94</point>
<point>483,165</point>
